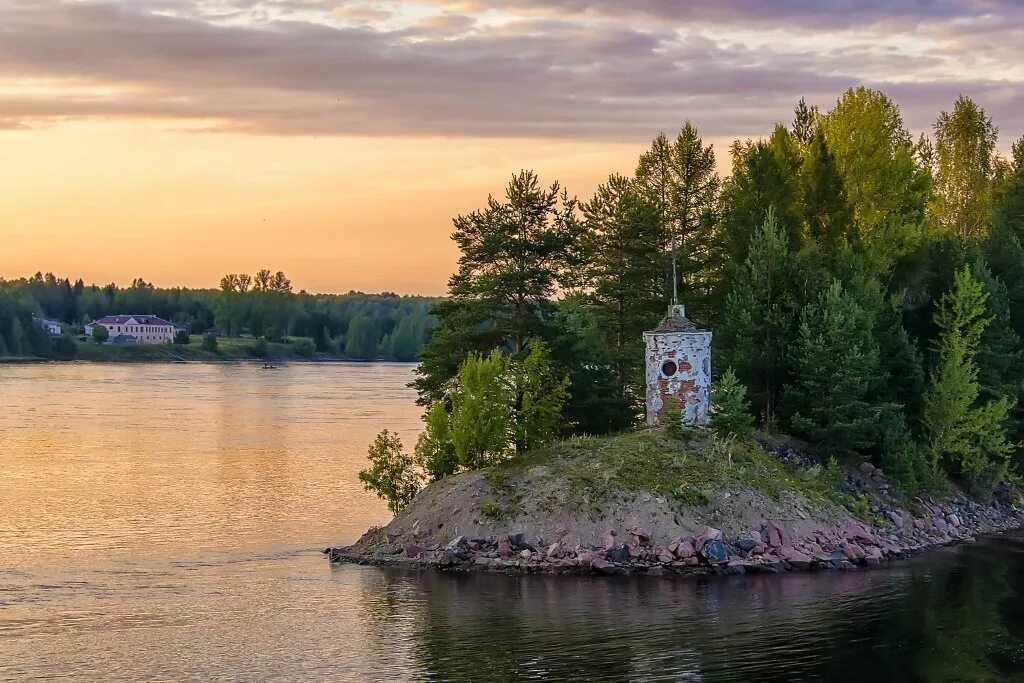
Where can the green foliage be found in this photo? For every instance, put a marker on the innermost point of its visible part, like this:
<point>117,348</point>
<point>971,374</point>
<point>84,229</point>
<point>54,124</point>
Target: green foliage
<point>304,347</point>
<point>260,348</point>
<point>181,337</point>
<point>499,406</point>
<point>393,474</point>
<point>886,186</point>
<point>672,417</point>
<point>965,169</point>
<point>100,334</point>
<point>539,396</point>
<point>835,365</point>
<point>730,408</point>
<point>965,436</point>
<point>210,342</point>
<point>66,347</point>
<point>765,179</point>
<point>625,241</point>
<point>435,450</point>
<point>245,304</point>
<point>678,177</point>
<point>515,255</point>
<point>481,424</point>
<point>760,316</point>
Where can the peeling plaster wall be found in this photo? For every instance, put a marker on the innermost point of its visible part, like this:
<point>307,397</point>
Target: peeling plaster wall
<point>691,384</point>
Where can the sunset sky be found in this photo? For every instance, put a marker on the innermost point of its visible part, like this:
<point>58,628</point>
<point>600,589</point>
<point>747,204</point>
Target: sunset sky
<point>177,140</point>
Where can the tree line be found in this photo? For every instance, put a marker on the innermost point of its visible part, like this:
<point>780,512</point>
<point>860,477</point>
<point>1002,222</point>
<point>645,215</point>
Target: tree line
<point>865,289</point>
<point>263,305</point>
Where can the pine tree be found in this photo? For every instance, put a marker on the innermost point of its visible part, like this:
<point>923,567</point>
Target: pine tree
<point>967,437</point>
<point>679,175</point>
<point>760,316</point>
<point>835,365</point>
<point>805,122</point>
<point>624,236</point>
<point>515,256</point>
<point>965,155</point>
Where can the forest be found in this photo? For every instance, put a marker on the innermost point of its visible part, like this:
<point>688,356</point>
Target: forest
<point>865,288</point>
<point>262,305</point>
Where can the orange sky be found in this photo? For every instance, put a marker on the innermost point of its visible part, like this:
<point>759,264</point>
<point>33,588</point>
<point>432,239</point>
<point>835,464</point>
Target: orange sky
<point>177,140</point>
<point>110,201</point>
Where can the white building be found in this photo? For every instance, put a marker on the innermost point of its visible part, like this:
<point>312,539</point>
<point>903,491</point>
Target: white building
<point>147,329</point>
<point>51,327</point>
<point>678,364</point>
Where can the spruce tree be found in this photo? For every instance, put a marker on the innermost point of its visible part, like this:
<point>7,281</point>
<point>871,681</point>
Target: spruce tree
<point>835,366</point>
<point>826,210</point>
<point>765,175</point>
<point>730,408</point>
<point>760,315</point>
<point>969,438</point>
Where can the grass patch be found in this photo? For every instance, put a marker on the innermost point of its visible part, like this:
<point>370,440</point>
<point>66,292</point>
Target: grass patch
<point>655,462</point>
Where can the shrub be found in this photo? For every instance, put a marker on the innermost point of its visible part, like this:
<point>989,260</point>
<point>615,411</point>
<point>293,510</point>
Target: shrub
<point>260,348</point>
<point>100,334</point>
<point>181,337</point>
<point>393,474</point>
<point>730,409</point>
<point>305,347</point>
<point>210,342</point>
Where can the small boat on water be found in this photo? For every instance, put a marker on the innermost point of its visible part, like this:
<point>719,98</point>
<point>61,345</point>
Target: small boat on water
<point>269,366</point>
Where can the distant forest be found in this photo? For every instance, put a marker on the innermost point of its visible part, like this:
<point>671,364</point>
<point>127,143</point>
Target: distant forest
<point>353,325</point>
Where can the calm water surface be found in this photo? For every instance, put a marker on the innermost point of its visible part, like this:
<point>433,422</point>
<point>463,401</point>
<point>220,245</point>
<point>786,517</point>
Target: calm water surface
<point>164,522</point>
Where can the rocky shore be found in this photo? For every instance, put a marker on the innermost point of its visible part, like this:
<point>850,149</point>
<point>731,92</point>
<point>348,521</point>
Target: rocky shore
<point>452,526</point>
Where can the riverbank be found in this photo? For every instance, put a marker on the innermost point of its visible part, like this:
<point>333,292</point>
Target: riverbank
<point>228,349</point>
<point>646,503</point>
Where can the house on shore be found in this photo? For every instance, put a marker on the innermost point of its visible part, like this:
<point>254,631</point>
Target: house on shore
<point>51,327</point>
<point>146,329</point>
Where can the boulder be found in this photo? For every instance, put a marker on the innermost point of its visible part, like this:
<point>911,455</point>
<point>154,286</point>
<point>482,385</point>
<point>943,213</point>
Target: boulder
<point>603,566</point>
<point>413,550</point>
<point>519,542</point>
<point>618,554</point>
<point>457,543</point>
<point>525,554</point>
<point>685,550</point>
<point>715,552</point>
<point>796,558</point>
<point>609,540</point>
<point>746,544</point>
<point>554,550</point>
<point>853,552</point>
<point>504,547</point>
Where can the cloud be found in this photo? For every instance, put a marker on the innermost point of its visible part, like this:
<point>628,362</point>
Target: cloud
<point>527,68</point>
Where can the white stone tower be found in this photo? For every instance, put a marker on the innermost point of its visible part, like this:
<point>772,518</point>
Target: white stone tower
<point>678,363</point>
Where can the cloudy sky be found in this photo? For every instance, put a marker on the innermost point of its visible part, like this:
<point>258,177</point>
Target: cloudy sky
<point>180,139</point>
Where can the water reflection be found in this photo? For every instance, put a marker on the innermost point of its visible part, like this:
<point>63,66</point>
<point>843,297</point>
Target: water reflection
<point>162,522</point>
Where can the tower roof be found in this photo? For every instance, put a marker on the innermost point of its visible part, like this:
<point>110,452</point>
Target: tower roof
<point>676,321</point>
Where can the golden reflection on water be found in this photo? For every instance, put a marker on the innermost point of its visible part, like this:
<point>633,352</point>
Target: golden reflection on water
<point>99,460</point>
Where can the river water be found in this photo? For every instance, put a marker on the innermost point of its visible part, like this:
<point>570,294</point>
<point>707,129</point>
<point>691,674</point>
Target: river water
<point>164,522</point>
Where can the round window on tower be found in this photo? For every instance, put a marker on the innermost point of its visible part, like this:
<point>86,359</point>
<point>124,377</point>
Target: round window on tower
<point>669,368</point>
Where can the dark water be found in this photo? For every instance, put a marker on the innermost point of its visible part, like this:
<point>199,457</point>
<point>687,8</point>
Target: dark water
<point>173,534</point>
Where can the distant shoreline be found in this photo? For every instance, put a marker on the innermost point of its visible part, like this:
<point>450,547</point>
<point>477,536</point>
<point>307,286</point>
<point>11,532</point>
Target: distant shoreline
<point>211,361</point>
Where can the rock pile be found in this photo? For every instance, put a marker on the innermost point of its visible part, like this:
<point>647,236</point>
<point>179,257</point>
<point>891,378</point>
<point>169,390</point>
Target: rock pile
<point>768,549</point>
